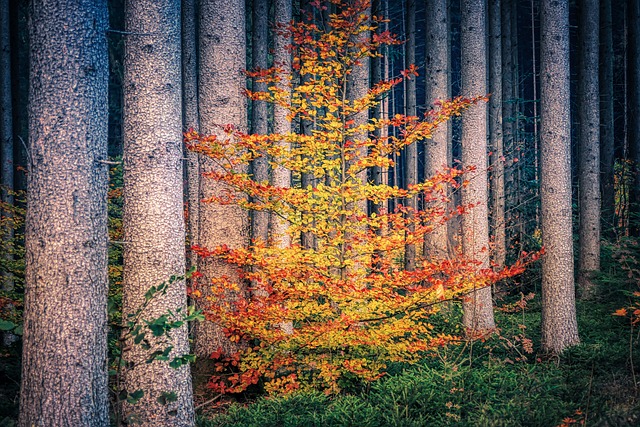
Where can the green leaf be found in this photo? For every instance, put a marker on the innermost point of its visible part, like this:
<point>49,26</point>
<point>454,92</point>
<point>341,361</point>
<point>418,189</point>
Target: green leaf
<point>134,397</point>
<point>167,397</point>
<point>18,330</point>
<point>6,325</point>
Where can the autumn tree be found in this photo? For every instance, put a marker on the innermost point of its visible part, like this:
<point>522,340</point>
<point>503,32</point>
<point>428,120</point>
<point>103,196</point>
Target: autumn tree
<point>153,218</point>
<point>352,304</point>
<point>559,324</point>
<point>64,359</point>
<point>478,308</point>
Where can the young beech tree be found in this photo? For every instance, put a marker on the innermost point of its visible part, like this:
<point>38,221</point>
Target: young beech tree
<point>352,305</point>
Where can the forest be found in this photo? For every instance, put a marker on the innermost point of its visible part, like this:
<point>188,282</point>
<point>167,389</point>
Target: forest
<point>319,213</point>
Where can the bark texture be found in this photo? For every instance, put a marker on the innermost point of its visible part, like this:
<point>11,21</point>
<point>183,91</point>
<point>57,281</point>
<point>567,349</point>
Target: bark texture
<point>633,100</point>
<point>259,122</point>
<point>607,141</point>
<point>589,147</point>
<point>64,362</point>
<point>438,76</point>
<point>222,101</point>
<point>478,307</point>
<point>6,142</point>
<point>153,219</point>
<point>496,144</point>
<point>281,177</point>
<point>559,324</point>
<point>411,152</point>
<point>191,119</point>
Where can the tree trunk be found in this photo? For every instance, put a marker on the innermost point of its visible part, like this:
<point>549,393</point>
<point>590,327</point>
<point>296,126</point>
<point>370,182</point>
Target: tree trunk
<point>559,324</point>
<point>153,218</point>
<point>281,125</point>
<point>6,145</point>
<point>633,109</point>
<point>438,70</point>
<point>259,124</point>
<point>607,118</point>
<point>411,152</point>
<point>64,359</point>
<point>222,101</point>
<point>589,148</point>
<point>478,307</point>
<point>191,119</point>
<point>495,134</point>
<point>508,113</point>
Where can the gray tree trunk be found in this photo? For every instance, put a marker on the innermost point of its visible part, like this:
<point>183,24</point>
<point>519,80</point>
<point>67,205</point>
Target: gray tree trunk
<point>495,133</point>
<point>478,307</point>
<point>438,70</point>
<point>259,123</point>
<point>64,359</point>
<point>153,218</point>
<point>633,100</point>
<point>6,142</point>
<point>411,152</point>
<point>559,324</point>
<point>589,147</point>
<point>358,87</point>
<point>607,141</point>
<point>281,177</point>
<point>222,101</point>
<point>191,119</point>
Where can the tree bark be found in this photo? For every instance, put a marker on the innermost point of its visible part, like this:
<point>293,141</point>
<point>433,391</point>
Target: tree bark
<point>607,118</point>
<point>633,109</point>
<point>6,147</point>
<point>153,218</point>
<point>438,70</point>
<point>495,134</point>
<point>64,359</point>
<point>478,307</point>
<point>559,324</point>
<point>411,152</point>
<point>281,125</point>
<point>191,119</point>
<point>259,123</point>
<point>589,148</point>
<point>222,101</point>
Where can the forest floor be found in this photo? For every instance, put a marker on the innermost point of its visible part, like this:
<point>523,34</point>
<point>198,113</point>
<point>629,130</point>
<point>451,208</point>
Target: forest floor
<point>500,381</point>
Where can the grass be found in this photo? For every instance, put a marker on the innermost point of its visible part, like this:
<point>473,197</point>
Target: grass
<point>491,383</point>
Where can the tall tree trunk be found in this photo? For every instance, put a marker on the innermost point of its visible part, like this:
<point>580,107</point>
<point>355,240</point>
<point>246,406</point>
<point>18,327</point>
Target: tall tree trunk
<point>589,147</point>
<point>281,176</point>
<point>191,119</point>
<point>64,359</point>
<point>478,307</point>
<point>438,72</point>
<point>633,100</point>
<point>607,118</point>
<point>559,324</point>
<point>259,124</point>
<point>222,101</point>
<point>411,152</point>
<point>6,144</point>
<point>508,112</point>
<point>153,218</point>
<point>495,133</point>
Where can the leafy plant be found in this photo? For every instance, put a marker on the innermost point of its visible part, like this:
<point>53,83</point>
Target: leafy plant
<point>340,310</point>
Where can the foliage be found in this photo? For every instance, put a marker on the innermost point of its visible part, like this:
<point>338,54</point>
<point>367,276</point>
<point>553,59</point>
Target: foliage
<point>338,311</point>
